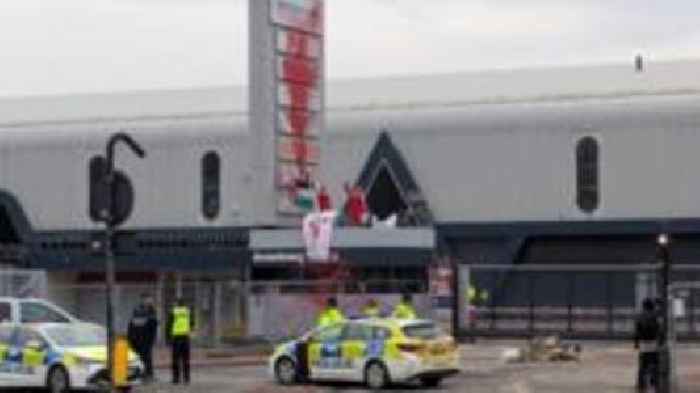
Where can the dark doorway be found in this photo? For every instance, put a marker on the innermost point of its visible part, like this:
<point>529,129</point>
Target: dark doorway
<point>384,197</point>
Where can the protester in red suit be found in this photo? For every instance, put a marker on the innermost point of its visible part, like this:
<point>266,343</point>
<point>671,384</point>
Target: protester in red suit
<point>356,206</point>
<point>323,200</point>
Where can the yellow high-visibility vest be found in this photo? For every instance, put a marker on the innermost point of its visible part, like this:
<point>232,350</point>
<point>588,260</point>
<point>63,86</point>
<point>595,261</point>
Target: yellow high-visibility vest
<point>330,316</point>
<point>371,312</point>
<point>473,295</point>
<point>32,357</point>
<point>404,311</point>
<point>181,322</point>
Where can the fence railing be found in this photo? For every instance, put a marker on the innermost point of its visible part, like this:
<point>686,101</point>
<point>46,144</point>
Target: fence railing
<point>284,309</point>
<point>231,310</point>
<point>339,286</point>
<point>218,306</point>
<point>591,301</point>
<point>22,282</point>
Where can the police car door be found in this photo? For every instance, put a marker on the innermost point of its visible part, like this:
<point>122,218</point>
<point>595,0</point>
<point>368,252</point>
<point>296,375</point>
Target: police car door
<point>29,352</point>
<point>7,376</point>
<point>325,352</point>
<point>356,337</point>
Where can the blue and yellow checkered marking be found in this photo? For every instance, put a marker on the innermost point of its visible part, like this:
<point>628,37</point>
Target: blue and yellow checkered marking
<point>331,349</point>
<point>26,360</point>
<point>375,348</point>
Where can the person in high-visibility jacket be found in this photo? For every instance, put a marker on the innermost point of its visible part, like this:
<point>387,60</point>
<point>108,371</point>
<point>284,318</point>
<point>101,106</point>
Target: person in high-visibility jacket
<point>179,329</point>
<point>477,297</point>
<point>33,356</point>
<point>405,310</point>
<point>371,309</point>
<point>331,314</point>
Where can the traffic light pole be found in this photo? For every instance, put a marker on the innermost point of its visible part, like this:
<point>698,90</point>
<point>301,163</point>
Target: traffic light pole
<point>109,277</point>
<point>664,379</point>
<point>110,229</point>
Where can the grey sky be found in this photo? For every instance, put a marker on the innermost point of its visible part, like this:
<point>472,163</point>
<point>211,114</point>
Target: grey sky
<point>66,46</point>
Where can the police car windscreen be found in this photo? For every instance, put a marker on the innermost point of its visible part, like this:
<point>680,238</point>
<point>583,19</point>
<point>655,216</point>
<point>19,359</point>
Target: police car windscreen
<point>425,330</point>
<point>76,335</point>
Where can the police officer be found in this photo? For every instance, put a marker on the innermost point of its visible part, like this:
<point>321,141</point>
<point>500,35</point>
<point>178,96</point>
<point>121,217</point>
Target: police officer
<point>331,314</point>
<point>179,328</point>
<point>143,328</point>
<point>476,297</point>
<point>647,334</point>
<point>371,309</point>
<point>405,310</point>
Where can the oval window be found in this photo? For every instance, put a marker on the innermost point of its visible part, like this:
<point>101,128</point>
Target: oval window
<point>211,179</point>
<point>587,174</point>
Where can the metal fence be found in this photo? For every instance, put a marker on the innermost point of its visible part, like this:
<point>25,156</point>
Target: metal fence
<point>22,283</point>
<point>683,296</point>
<point>282,309</point>
<point>592,301</point>
<point>218,306</point>
<point>228,311</point>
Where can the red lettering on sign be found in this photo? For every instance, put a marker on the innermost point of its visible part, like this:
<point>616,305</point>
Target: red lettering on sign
<point>300,73</point>
<point>299,69</point>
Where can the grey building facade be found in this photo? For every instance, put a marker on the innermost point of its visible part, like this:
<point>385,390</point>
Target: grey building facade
<point>550,166</point>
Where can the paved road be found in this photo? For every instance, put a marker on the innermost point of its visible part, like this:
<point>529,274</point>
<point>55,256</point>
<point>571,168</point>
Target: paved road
<point>605,368</point>
<point>518,379</point>
<point>255,380</point>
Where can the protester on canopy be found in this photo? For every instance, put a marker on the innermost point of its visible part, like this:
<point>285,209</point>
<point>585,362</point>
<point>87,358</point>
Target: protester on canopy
<point>323,200</point>
<point>356,207</point>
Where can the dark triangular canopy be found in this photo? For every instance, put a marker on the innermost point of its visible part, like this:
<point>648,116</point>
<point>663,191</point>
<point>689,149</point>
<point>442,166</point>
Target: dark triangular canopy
<point>390,186</point>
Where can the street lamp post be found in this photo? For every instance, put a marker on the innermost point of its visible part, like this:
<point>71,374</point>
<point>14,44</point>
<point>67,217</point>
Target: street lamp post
<point>664,350</point>
<point>110,229</point>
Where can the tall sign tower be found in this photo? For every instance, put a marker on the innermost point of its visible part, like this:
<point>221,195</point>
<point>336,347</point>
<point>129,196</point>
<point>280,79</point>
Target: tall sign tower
<point>286,105</point>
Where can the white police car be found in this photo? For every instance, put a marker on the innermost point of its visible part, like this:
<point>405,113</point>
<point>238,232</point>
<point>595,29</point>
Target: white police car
<point>32,310</point>
<point>376,351</point>
<point>58,356</point>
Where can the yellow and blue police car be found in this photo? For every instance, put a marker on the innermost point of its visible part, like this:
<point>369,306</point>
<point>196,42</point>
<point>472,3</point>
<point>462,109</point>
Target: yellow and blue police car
<point>376,352</point>
<point>58,356</point>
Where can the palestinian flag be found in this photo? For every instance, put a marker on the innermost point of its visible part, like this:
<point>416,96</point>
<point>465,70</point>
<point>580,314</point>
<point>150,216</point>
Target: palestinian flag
<point>305,199</point>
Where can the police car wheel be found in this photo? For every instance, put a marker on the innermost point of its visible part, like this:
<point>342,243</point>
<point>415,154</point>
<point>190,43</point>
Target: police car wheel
<point>431,382</point>
<point>285,371</point>
<point>376,376</point>
<point>58,380</point>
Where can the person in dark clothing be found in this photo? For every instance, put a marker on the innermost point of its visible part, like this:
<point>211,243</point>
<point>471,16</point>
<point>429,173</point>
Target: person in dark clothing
<point>646,339</point>
<point>142,331</point>
<point>302,352</point>
<point>179,329</point>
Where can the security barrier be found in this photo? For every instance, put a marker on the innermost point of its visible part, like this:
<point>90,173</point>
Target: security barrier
<point>218,306</point>
<point>231,310</point>
<point>677,372</point>
<point>283,309</point>
<point>22,283</point>
<point>583,301</point>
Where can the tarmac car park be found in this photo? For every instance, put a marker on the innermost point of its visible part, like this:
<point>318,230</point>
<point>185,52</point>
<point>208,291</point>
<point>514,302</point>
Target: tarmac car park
<point>58,356</point>
<point>377,352</point>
